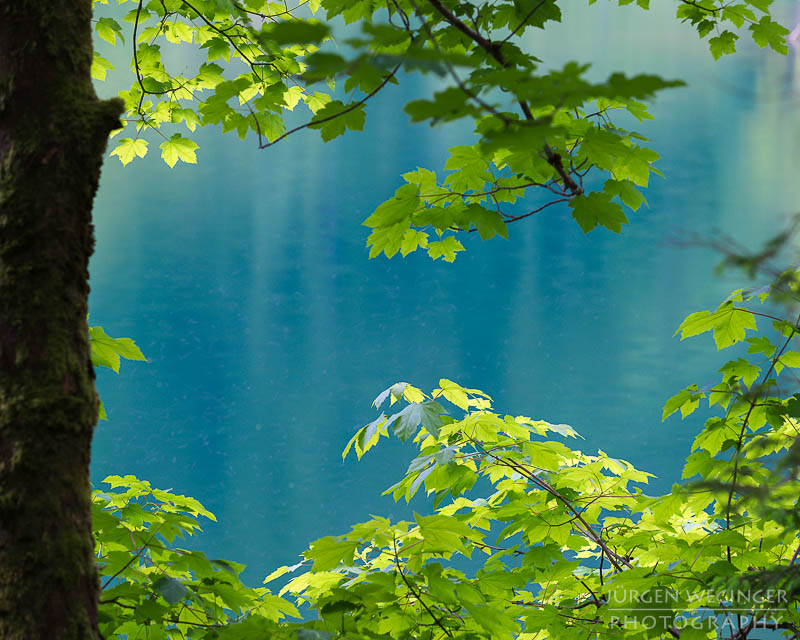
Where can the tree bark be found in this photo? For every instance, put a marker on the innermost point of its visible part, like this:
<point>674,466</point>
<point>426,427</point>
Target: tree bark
<point>53,133</point>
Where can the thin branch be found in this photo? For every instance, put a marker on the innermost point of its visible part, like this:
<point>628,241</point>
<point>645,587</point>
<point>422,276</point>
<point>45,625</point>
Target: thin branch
<point>594,596</point>
<point>566,607</point>
<point>136,59</point>
<point>493,49</point>
<point>417,595</point>
<point>474,96</point>
<point>554,160</point>
<point>524,21</point>
<point>250,62</point>
<point>535,211</point>
<point>355,105</point>
<point>403,15</point>
<point>266,16</point>
<point>737,455</point>
<point>584,527</point>
<point>697,5</point>
<point>138,554</point>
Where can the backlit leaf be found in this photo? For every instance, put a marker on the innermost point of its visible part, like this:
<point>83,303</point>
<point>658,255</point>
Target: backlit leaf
<point>178,148</point>
<point>406,423</point>
<point>127,149</point>
<point>445,249</point>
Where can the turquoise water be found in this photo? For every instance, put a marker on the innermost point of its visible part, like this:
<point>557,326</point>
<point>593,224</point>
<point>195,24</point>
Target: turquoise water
<point>245,281</point>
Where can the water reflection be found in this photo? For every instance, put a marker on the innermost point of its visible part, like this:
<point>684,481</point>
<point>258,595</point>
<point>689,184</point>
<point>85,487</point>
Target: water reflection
<point>246,282</point>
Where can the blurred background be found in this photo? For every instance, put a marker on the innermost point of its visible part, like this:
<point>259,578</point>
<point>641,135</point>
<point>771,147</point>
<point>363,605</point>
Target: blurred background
<point>246,282</point>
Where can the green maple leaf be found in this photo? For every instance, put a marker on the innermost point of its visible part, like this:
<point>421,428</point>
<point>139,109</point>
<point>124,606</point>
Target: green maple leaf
<point>635,164</point>
<point>334,118</point>
<point>440,218</point>
<point>626,191</point>
<point>209,75</point>
<point>397,209</point>
<point>188,116</point>
<point>292,96</point>
<point>178,148</point>
<point>762,344</point>
<point>446,105</point>
<point>365,76</point>
<point>761,5</point>
<point>488,223</point>
<point>444,533</point>
<point>272,126</point>
<point>215,109</point>
<point>127,149</point>
<point>425,178</point>
<point>172,590</point>
<point>729,324</point>
<point>406,422</point>
<point>597,208</point>
<point>100,66</point>
<point>106,351</point>
<point>217,48</point>
<point>316,101</point>
<point>328,552</point>
<point>686,400</point>
<point>791,359</point>
<point>769,33</point>
<point>109,30</point>
<point>724,43</point>
<point>354,11</point>
<point>236,121</point>
<point>470,169</point>
<point>741,369</point>
<point>322,65</point>
<point>446,249</point>
<point>294,31</point>
<point>602,147</point>
<point>412,240</point>
<point>178,32</point>
<point>149,56</point>
<point>640,86</point>
<point>388,240</point>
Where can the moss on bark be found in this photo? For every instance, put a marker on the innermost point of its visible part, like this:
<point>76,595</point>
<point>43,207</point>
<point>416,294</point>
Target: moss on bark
<point>53,134</point>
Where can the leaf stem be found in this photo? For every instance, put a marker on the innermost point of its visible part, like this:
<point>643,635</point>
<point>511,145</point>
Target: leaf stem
<point>349,108</point>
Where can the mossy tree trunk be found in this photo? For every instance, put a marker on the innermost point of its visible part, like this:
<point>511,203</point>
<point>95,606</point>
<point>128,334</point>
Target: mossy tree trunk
<point>53,133</point>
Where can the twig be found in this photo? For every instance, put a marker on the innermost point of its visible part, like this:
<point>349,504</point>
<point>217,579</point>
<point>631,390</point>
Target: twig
<point>417,595</point>
<point>737,455</point>
<point>493,49</point>
<point>355,105</point>
<point>524,21</point>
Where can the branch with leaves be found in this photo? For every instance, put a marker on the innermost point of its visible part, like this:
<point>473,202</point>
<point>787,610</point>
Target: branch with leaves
<point>526,532</point>
<point>547,126</point>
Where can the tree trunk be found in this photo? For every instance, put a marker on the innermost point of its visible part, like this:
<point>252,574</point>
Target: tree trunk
<point>53,134</point>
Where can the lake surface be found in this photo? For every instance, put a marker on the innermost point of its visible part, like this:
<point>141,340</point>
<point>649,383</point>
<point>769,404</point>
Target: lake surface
<point>246,282</point>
